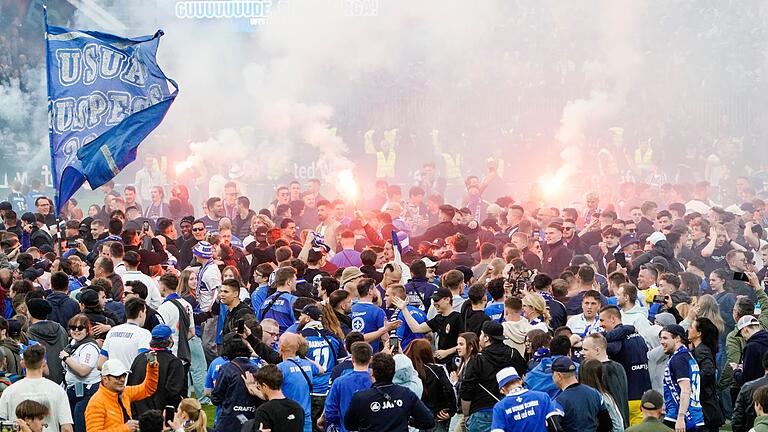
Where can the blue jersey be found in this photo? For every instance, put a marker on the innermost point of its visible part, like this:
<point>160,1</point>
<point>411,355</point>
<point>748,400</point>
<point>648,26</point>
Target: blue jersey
<point>368,318</point>
<point>280,305</point>
<point>682,366</point>
<point>340,396</point>
<point>325,349</point>
<point>404,331</point>
<point>495,311</point>
<point>523,410</point>
<point>295,385</point>
<point>258,297</point>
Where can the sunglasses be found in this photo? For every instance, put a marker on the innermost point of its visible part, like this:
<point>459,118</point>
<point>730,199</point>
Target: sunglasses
<point>568,228</point>
<point>77,328</point>
<point>128,292</point>
<point>198,229</point>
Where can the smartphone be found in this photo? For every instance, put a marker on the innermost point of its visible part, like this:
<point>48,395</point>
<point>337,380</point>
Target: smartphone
<point>8,426</point>
<point>659,299</point>
<point>740,276</point>
<point>621,259</point>
<point>169,413</point>
<point>394,342</point>
<point>240,326</point>
<point>145,227</point>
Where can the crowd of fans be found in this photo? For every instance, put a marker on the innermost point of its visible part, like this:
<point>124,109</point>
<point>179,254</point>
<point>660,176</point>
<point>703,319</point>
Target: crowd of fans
<point>392,311</point>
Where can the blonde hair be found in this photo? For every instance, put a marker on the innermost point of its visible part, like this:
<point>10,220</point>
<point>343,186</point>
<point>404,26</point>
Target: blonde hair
<point>538,304</point>
<point>708,308</point>
<point>197,417</point>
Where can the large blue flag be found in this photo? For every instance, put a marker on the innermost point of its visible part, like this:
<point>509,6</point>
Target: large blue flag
<point>106,93</point>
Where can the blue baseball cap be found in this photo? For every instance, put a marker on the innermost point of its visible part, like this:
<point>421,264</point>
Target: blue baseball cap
<point>563,364</point>
<point>161,332</point>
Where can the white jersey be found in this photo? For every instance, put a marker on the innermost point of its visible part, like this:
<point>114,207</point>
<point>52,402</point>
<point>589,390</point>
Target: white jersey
<point>153,290</point>
<point>123,342</point>
<point>40,390</point>
<point>170,314</point>
<point>580,326</point>
<point>208,284</point>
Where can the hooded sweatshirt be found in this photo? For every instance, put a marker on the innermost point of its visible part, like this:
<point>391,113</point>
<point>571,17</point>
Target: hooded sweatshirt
<point>627,347</point>
<point>636,317</point>
<point>63,307</point>
<point>53,337</point>
<point>751,358</point>
<point>515,332</point>
<point>406,375</point>
<point>480,387</point>
<point>11,351</point>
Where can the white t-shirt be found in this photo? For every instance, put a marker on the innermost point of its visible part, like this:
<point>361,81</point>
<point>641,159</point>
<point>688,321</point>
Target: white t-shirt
<point>40,390</point>
<point>87,354</point>
<point>153,290</point>
<point>580,326</point>
<point>170,314</point>
<point>123,342</point>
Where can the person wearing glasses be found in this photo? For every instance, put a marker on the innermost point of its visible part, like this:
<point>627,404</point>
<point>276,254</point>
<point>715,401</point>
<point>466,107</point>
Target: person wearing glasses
<point>81,375</point>
<point>110,407</point>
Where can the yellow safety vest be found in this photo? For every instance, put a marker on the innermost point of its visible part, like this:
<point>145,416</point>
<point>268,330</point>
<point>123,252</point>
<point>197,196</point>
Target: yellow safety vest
<point>452,166</point>
<point>385,165</point>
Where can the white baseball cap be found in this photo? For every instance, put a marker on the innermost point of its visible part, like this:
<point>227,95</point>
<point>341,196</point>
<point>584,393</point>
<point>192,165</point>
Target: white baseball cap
<point>656,237</point>
<point>114,367</point>
<point>428,262</point>
<point>747,321</point>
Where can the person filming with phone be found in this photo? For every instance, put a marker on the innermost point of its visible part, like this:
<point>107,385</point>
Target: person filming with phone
<point>109,409</point>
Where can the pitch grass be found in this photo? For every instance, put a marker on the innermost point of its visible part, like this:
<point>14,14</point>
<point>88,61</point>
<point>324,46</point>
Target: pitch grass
<point>210,412</point>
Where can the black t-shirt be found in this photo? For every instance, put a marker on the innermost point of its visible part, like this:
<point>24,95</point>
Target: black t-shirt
<point>447,329</point>
<point>280,414</point>
<point>473,319</point>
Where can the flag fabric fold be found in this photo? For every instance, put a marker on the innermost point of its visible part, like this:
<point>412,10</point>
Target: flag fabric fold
<point>106,93</point>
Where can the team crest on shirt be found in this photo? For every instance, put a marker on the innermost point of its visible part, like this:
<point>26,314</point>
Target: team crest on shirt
<point>448,328</point>
<point>358,324</point>
<point>375,407</point>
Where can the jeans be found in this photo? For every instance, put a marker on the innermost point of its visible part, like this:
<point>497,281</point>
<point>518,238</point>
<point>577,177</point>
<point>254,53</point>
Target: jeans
<point>440,427</point>
<point>480,421</point>
<point>209,339</point>
<point>77,404</point>
<point>197,368</point>
<point>318,404</point>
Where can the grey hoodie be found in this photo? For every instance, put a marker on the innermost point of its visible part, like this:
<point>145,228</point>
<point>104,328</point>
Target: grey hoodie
<point>637,317</point>
<point>53,337</point>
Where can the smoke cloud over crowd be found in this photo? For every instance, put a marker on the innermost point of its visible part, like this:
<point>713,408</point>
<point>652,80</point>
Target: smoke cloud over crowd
<point>553,82</point>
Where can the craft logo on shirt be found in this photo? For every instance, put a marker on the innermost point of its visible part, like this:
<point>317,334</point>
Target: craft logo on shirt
<point>358,324</point>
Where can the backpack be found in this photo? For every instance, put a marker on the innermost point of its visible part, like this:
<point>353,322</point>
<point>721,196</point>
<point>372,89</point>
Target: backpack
<point>184,353</point>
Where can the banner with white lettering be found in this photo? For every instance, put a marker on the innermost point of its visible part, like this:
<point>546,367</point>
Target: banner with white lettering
<point>106,93</point>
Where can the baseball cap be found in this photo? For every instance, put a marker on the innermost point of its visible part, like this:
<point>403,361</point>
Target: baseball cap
<point>504,376</point>
<point>652,400</point>
<point>88,297</point>
<point>676,330</point>
<point>627,240</point>
<point>748,207</point>
<point>747,321</point>
<point>441,293</point>
<point>493,330</point>
<point>203,250</point>
<point>114,367</point>
<point>656,237</point>
<point>563,364</point>
<point>428,262</point>
<point>29,218</point>
<point>161,332</point>
<point>311,311</point>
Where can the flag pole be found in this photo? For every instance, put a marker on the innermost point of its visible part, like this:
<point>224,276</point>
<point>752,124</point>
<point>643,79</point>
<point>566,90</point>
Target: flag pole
<point>56,209</point>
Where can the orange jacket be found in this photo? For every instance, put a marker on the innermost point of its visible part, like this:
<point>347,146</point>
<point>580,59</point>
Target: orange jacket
<point>103,413</point>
